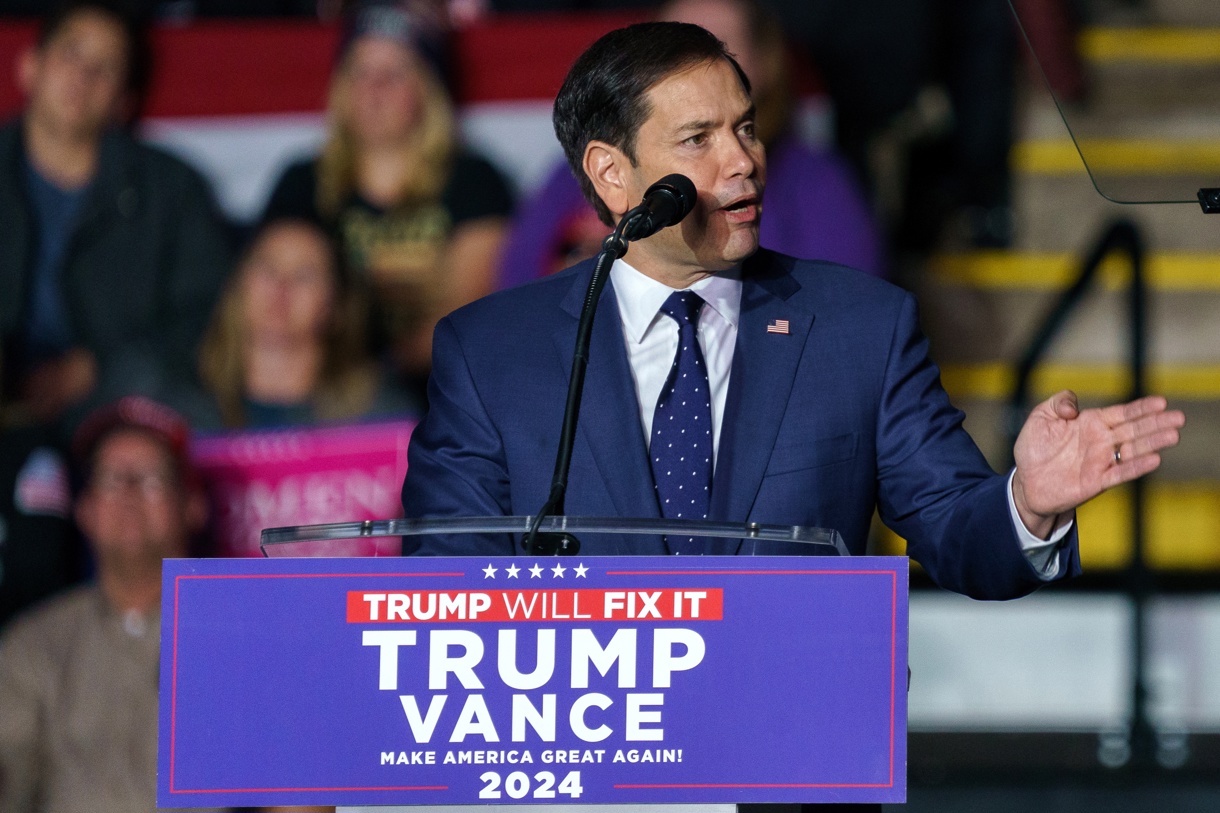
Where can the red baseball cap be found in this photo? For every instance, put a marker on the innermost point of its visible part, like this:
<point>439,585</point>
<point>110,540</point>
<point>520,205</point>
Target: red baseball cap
<point>144,415</point>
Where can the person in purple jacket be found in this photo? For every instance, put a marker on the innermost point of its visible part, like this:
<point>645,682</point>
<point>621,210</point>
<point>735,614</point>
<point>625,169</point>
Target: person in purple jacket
<point>815,208</point>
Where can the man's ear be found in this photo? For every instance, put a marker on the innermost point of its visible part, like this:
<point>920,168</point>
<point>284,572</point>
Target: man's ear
<point>25,70</point>
<point>607,167</point>
<point>85,513</point>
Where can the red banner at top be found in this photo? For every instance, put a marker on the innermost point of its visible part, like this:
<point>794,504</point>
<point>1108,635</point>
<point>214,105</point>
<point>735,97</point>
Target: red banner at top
<point>249,67</point>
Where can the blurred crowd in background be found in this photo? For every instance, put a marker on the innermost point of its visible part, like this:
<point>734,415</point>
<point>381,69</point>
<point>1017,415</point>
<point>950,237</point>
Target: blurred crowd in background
<point>134,317</point>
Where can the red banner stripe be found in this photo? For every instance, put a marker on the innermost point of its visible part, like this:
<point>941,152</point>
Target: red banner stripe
<point>232,68</point>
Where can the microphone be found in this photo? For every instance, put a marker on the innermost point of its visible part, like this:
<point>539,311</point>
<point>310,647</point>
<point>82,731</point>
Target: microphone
<point>665,204</point>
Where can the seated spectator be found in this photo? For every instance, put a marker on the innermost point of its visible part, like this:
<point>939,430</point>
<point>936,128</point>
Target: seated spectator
<point>111,253</point>
<point>287,345</point>
<point>812,206</point>
<point>420,219</point>
<point>78,674</point>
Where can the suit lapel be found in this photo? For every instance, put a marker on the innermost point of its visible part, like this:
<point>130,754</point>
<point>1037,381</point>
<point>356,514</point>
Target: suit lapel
<point>609,418</point>
<point>760,384</point>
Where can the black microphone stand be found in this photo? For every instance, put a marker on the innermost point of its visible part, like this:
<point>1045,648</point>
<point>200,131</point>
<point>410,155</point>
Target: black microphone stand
<point>564,544</point>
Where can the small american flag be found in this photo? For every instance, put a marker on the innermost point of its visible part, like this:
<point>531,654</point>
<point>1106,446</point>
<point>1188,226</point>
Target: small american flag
<point>778,326</point>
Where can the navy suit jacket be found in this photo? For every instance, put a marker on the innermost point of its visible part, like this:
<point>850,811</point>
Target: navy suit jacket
<point>842,415</point>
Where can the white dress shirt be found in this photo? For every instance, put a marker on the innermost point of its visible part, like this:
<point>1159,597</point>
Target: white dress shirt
<point>651,338</point>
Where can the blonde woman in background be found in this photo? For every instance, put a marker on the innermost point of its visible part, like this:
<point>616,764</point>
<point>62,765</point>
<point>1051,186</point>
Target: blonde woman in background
<point>418,217</point>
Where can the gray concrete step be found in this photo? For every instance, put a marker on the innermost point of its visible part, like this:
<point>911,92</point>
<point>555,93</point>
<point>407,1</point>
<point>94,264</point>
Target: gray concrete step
<point>1155,12</point>
<point>984,307</point>
<point>1065,213</point>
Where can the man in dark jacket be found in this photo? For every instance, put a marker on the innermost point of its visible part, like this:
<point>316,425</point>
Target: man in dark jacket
<point>112,254</point>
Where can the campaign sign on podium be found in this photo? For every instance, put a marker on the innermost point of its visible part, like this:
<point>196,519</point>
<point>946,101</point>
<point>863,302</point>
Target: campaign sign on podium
<point>601,680</point>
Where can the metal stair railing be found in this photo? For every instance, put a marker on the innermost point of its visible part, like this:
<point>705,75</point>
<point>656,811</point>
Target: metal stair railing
<point>1140,750</point>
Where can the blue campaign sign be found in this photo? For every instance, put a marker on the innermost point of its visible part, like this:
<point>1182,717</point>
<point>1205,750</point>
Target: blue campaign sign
<point>616,680</point>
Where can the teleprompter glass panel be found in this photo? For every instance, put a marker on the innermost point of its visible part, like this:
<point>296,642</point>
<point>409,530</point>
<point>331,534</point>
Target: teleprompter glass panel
<point>1146,121</point>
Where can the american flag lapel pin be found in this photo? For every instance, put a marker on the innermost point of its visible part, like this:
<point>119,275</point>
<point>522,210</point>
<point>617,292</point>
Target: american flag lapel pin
<point>778,326</point>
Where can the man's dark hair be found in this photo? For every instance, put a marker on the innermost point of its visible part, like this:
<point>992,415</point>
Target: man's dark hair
<point>604,97</point>
<point>135,31</point>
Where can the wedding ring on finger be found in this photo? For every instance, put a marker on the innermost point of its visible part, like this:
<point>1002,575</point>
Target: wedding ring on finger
<point>1118,455</point>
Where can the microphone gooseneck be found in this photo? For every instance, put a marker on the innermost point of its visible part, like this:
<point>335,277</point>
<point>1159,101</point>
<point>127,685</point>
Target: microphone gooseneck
<point>665,203</point>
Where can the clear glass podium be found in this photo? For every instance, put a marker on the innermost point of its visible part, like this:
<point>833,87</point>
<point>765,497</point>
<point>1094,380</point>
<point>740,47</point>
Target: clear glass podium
<point>391,537</point>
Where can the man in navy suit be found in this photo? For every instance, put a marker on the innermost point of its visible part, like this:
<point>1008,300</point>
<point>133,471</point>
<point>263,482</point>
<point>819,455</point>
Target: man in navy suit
<point>821,402</point>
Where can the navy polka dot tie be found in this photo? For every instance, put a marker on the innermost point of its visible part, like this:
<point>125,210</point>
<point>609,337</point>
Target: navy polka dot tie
<point>681,449</point>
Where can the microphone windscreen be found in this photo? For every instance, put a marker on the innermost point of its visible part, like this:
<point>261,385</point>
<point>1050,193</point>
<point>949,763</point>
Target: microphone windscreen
<point>683,191</point>
<point>665,203</point>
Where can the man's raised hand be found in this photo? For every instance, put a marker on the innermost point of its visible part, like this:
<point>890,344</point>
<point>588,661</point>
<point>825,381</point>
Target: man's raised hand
<point>1065,456</point>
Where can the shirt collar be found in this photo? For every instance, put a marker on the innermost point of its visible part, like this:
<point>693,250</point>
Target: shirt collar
<point>640,297</point>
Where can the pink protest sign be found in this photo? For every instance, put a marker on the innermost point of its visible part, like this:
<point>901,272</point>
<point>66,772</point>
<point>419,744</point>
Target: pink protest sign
<point>303,476</point>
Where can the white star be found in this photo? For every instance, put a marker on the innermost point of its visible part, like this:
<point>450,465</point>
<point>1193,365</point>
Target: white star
<point>558,571</point>
<point>581,570</point>
<point>512,571</point>
<point>536,572</point>
<point>489,572</point>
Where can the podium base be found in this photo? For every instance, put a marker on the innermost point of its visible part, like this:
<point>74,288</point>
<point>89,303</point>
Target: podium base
<point>615,808</point>
<point>546,808</point>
